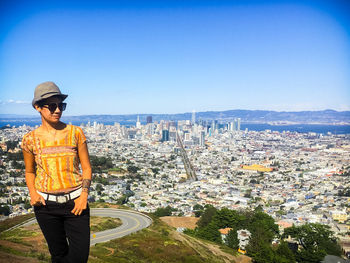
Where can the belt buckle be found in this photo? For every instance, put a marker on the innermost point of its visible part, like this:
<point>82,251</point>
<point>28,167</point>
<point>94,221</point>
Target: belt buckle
<point>61,199</point>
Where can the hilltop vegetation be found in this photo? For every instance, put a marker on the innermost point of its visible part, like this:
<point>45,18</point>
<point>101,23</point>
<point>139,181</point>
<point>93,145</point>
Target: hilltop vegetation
<point>162,243</point>
<point>315,240</point>
<point>158,243</point>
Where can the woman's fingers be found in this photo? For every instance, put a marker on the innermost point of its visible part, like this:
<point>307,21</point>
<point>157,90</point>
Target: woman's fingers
<point>79,206</point>
<point>77,210</point>
<point>36,199</point>
<point>42,200</point>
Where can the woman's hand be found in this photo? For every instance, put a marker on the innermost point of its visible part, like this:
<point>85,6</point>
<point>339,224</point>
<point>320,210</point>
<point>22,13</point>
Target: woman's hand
<point>80,204</point>
<point>36,199</point>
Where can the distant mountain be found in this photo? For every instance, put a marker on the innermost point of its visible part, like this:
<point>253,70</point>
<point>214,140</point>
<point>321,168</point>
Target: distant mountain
<point>247,116</point>
<point>9,116</point>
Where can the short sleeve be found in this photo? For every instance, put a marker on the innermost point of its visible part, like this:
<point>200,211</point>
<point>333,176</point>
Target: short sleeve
<point>80,136</point>
<point>27,143</point>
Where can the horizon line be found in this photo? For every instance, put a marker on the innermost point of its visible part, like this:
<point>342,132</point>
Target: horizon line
<point>189,112</point>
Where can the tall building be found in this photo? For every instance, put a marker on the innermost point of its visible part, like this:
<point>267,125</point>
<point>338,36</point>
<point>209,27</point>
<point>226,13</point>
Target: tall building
<point>138,123</point>
<point>202,138</point>
<point>149,119</point>
<point>236,124</point>
<point>150,128</point>
<point>193,117</point>
<point>187,136</point>
<point>212,126</point>
<point>165,135</point>
<point>231,126</point>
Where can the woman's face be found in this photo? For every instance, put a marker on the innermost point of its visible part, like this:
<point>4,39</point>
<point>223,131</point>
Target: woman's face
<point>50,116</point>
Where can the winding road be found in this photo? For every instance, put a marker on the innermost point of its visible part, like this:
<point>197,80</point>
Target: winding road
<point>132,222</point>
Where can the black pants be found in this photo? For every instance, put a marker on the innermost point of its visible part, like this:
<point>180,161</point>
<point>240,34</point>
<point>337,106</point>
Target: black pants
<point>59,225</point>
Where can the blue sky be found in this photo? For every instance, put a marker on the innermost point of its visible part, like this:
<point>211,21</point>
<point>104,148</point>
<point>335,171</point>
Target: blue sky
<point>176,56</point>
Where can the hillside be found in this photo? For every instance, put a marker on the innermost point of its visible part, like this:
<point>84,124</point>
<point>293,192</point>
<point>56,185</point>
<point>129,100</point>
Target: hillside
<point>247,116</point>
<point>158,243</point>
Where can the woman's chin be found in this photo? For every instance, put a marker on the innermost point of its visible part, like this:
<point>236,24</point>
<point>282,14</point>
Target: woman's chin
<point>55,120</point>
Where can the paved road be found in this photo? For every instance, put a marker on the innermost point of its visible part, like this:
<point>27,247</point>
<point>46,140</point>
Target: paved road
<point>132,222</point>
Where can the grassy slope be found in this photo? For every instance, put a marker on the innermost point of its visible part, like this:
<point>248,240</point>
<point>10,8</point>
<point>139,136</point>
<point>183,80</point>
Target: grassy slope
<point>10,222</point>
<point>158,243</point>
<point>98,223</point>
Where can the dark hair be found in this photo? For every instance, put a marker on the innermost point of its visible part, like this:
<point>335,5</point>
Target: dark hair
<point>41,103</point>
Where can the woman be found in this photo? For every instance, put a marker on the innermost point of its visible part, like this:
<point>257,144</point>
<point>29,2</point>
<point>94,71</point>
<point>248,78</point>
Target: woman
<point>58,190</point>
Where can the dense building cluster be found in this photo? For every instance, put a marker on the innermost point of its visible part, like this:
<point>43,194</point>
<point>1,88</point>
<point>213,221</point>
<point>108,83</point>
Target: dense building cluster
<point>294,177</point>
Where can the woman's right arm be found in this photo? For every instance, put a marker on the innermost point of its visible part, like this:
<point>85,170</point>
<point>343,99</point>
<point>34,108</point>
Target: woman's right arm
<point>29,162</point>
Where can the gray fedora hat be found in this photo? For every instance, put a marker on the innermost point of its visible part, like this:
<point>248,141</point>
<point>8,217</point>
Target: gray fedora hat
<point>46,90</point>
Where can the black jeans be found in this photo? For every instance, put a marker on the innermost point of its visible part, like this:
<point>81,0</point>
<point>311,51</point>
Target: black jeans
<point>67,235</point>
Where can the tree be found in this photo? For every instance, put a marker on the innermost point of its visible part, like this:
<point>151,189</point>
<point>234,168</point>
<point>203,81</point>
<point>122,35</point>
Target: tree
<point>227,218</point>
<point>259,249</point>
<point>345,192</point>
<point>248,193</point>
<point>99,188</point>
<point>11,145</point>
<point>5,210</point>
<point>316,242</point>
<point>206,217</point>
<point>161,211</point>
<point>262,221</point>
<point>122,200</point>
<point>101,180</point>
<point>100,163</point>
<point>232,239</point>
<point>284,254</point>
<point>27,204</point>
<point>209,232</point>
<point>198,210</point>
<point>155,170</point>
<point>132,169</point>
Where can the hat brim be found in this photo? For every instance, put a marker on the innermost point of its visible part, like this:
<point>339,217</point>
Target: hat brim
<point>36,100</point>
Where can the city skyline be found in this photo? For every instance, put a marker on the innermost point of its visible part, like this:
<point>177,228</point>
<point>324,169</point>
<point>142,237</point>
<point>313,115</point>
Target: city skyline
<point>132,57</point>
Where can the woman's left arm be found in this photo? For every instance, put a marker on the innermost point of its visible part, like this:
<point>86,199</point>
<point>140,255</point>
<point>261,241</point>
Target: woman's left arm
<point>81,201</point>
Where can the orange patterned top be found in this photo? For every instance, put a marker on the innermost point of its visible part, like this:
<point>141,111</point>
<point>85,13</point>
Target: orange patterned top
<point>57,162</point>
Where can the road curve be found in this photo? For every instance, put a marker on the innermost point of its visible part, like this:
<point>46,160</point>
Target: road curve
<point>132,222</point>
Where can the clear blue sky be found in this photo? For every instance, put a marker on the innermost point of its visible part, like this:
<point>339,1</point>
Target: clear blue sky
<point>176,56</point>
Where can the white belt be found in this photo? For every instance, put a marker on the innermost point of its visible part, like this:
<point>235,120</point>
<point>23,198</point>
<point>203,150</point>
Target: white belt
<point>61,198</point>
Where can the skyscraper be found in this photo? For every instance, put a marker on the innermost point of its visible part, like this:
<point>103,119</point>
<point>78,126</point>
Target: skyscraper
<point>138,123</point>
<point>202,139</point>
<point>149,119</point>
<point>193,117</point>
<point>165,135</point>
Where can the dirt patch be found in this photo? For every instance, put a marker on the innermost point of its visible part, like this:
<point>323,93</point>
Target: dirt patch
<point>227,257</point>
<point>174,221</point>
<point>32,227</point>
<point>38,241</point>
<point>9,258</point>
<point>30,244</point>
<point>243,259</point>
<point>15,246</point>
<point>196,244</point>
<point>111,251</point>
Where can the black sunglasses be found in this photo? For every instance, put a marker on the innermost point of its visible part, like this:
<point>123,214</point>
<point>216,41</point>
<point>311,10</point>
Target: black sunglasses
<point>53,106</point>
